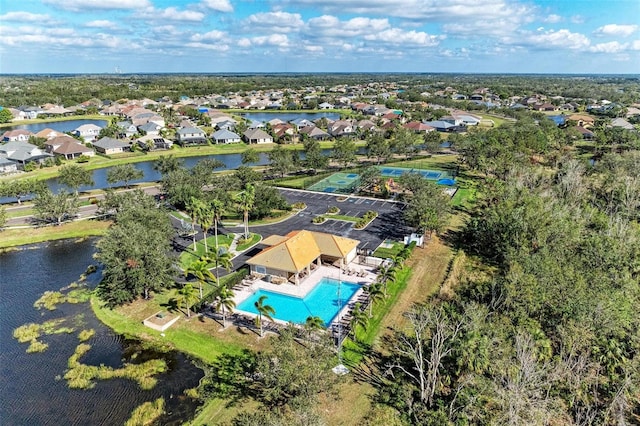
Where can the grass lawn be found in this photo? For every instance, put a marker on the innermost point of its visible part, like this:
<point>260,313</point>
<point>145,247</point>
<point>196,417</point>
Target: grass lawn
<point>255,238</point>
<point>83,228</point>
<point>195,252</point>
<point>389,252</point>
<point>447,162</point>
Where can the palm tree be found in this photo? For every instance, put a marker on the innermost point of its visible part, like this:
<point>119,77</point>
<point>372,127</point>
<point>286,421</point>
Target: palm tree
<point>222,258</point>
<point>387,274</point>
<point>246,201</point>
<point>203,214</point>
<point>200,269</point>
<point>359,318</point>
<point>375,294</point>
<point>191,210</point>
<point>313,323</point>
<point>225,301</point>
<point>187,295</point>
<point>216,209</point>
<point>263,310</point>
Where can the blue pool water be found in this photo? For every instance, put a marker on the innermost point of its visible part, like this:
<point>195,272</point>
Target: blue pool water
<point>322,301</point>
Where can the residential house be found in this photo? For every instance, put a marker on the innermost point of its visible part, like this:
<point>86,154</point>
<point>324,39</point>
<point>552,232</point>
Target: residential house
<point>622,123</point>
<point>296,254</point>
<point>301,122</point>
<point>18,135</point>
<point>23,152</point>
<point>443,126</point>
<point>67,147</point>
<point>582,120</point>
<point>586,133</point>
<point>419,127</point>
<point>257,136</point>
<point>126,129</point>
<point>342,128</point>
<point>464,118</point>
<point>150,128</point>
<point>153,142</point>
<point>226,125</point>
<point>191,135</point>
<point>48,134</point>
<point>89,132</point>
<point>225,136</point>
<point>325,105</point>
<point>314,132</point>
<point>110,146</point>
<point>6,165</point>
<point>284,131</point>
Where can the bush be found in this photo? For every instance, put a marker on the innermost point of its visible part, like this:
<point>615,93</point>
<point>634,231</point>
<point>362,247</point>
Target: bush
<point>319,219</point>
<point>333,210</point>
<point>299,205</point>
<point>83,159</point>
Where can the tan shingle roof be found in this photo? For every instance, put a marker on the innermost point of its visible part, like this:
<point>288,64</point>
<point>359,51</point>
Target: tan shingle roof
<point>299,248</point>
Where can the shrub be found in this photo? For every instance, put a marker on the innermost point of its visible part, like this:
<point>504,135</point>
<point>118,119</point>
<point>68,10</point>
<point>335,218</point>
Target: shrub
<point>319,219</point>
<point>299,205</point>
<point>333,210</point>
<point>83,159</point>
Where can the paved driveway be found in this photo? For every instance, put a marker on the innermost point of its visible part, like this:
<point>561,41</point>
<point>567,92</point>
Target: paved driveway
<point>388,224</point>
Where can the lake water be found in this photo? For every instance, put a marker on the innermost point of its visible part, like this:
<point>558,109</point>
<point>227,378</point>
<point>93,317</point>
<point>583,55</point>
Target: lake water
<point>59,126</point>
<point>31,392</point>
<point>288,116</point>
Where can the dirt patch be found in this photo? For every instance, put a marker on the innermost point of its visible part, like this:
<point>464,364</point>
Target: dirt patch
<point>429,268</point>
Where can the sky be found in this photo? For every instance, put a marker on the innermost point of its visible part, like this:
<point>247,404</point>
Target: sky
<point>266,36</point>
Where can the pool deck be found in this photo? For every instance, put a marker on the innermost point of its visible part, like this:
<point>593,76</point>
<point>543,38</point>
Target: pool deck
<point>347,274</point>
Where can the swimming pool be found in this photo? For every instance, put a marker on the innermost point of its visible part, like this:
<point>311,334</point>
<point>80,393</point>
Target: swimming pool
<point>322,301</point>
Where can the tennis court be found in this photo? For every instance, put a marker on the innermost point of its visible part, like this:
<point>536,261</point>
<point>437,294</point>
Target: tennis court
<point>439,176</point>
<point>342,183</point>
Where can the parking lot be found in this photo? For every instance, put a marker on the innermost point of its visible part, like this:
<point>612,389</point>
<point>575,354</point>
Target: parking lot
<point>388,225</point>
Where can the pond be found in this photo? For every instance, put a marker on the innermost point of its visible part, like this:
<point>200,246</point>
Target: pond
<point>289,116</point>
<point>59,126</point>
<point>31,389</point>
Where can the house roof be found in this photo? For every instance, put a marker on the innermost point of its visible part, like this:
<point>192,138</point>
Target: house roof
<point>296,250</point>
<point>15,133</point>
<point>48,133</point>
<point>110,143</point>
<point>190,130</point>
<point>257,134</point>
<point>71,147</point>
<point>88,128</point>
<point>225,134</point>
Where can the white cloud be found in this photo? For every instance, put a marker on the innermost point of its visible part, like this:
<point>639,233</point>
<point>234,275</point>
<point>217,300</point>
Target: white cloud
<point>616,30</point>
<point>214,35</point>
<point>635,45</point>
<point>577,19</point>
<point>277,40</point>
<point>611,47</point>
<point>24,17</point>
<point>88,5</point>
<point>56,39</point>
<point>553,19</point>
<point>218,5</point>
<point>331,26</point>
<point>280,22</point>
<point>171,14</point>
<point>101,23</point>
<point>559,39</point>
<point>421,10</point>
<point>396,36</point>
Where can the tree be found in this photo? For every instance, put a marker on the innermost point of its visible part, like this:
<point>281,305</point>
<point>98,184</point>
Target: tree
<point>375,293</point>
<point>280,160</point>
<point>188,296</point>
<point>313,323</point>
<point>136,255</point>
<point>200,269</point>
<point>54,208</point>
<point>3,217</point>
<point>222,259</point>
<point>224,302</point>
<point>181,187</point>
<point>267,200</point>
<point>370,177</point>
<point>404,142</point>
<point>432,141</point>
<point>5,116</point>
<point>166,164</point>
<point>314,159</point>
<point>428,209</point>
<point>202,172</point>
<point>246,174</point>
<point>124,173</point>
<point>204,216</point>
<point>378,147</point>
<point>266,311</point>
<point>217,207</point>
<point>74,176</point>
<point>250,155</point>
<point>420,350</point>
<point>20,188</point>
<point>344,151</point>
<point>246,200</point>
<point>359,318</point>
